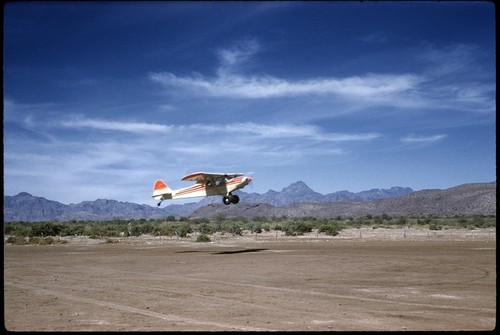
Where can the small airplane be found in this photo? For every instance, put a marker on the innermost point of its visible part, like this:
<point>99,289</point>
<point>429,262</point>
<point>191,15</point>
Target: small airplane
<point>207,184</point>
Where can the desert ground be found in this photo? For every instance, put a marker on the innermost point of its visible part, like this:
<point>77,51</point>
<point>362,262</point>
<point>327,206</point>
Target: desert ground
<point>360,280</point>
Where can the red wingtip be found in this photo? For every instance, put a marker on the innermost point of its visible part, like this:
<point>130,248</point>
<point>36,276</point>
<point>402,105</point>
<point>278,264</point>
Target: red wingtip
<point>160,185</point>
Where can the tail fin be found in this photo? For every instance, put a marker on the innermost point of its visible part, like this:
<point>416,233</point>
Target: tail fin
<point>159,185</point>
<point>160,189</point>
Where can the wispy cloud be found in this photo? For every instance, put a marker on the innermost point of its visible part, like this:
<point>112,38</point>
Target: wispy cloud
<point>239,53</point>
<point>457,78</point>
<point>92,165</point>
<point>436,85</point>
<point>371,86</point>
<point>229,82</point>
<point>131,127</point>
<point>255,130</point>
<point>422,139</point>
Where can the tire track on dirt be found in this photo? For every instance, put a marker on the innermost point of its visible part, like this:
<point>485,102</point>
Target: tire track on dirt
<point>130,309</point>
<point>305,292</point>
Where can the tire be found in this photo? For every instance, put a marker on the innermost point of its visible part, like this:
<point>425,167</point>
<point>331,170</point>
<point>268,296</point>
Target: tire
<point>235,199</point>
<point>226,200</point>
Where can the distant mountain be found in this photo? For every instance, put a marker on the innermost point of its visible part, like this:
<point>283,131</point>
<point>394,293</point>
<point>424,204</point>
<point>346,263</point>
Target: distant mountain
<point>25,207</point>
<point>295,200</point>
<point>299,192</point>
<point>467,199</point>
<point>295,192</point>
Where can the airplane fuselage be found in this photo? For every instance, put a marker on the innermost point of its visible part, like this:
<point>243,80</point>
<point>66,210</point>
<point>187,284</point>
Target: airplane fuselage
<point>207,184</point>
<point>208,189</point>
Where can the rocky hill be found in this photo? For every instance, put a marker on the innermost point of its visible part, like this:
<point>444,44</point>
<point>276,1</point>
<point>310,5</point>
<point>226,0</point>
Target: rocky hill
<point>26,207</point>
<point>299,192</point>
<point>467,199</point>
<point>295,200</point>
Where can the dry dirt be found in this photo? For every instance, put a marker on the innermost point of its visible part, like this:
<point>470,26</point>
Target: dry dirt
<point>360,280</point>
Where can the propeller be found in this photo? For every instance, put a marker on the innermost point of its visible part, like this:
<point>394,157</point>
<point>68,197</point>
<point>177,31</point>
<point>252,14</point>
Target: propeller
<point>250,174</point>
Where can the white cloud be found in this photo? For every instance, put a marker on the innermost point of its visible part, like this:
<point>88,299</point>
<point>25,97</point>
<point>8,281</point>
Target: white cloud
<point>371,86</point>
<point>238,53</point>
<point>132,127</point>
<point>229,82</point>
<point>422,139</point>
<point>257,131</point>
<point>440,83</point>
<point>103,166</point>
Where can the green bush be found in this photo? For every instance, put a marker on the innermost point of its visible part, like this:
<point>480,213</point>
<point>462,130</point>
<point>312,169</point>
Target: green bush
<point>163,229</point>
<point>256,228</point>
<point>297,228</point>
<point>203,238</point>
<point>41,240</point>
<point>19,240</point>
<point>46,229</point>
<point>206,228</point>
<point>329,229</point>
<point>183,229</point>
<point>291,226</point>
<point>434,226</point>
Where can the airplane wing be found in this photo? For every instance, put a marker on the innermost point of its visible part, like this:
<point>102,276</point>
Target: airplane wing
<point>201,177</point>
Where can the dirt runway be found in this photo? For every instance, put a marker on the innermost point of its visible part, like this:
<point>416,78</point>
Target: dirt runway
<point>251,285</point>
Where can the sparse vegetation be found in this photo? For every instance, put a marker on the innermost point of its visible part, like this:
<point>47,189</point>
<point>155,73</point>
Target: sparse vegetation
<point>48,232</point>
<point>203,238</point>
<point>329,229</point>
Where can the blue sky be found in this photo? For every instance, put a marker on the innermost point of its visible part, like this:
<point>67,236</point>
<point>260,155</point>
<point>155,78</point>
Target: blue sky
<point>103,98</point>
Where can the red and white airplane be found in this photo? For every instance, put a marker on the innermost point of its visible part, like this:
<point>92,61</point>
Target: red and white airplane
<point>207,184</point>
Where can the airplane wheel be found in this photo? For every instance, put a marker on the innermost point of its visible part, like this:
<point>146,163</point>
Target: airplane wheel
<point>226,200</point>
<point>235,199</point>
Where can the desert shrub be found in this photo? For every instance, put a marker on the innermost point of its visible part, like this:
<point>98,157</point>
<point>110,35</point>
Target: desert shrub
<point>266,226</point>
<point>17,229</point>
<point>230,227</point>
<point>297,228</point>
<point>386,217</point>
<point>19,240</point>
<point>200,220</point>
<point>478,221</point>
<point>435,226</point>
<point>206,228</point>
<point>329,229</point>
<point>256,228</point>
<point>74,229</point>
<point>183,229</point>
<point>203,238</point>
<point>402,220</point>
<point>41,240</point>
<point>138,229</point>
<point>377,220</point>
<point>164,229</point>
<point>46,229</point>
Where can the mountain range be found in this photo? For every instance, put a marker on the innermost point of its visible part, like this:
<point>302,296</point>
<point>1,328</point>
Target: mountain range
<point>295,200</point>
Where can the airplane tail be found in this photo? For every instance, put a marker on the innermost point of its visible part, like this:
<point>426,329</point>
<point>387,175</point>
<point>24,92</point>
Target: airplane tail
<point>160,189</point>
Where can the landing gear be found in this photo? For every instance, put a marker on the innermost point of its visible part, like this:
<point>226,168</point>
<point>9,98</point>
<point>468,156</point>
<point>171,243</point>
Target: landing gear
<point>235,199</point>
<point>231,199</point>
